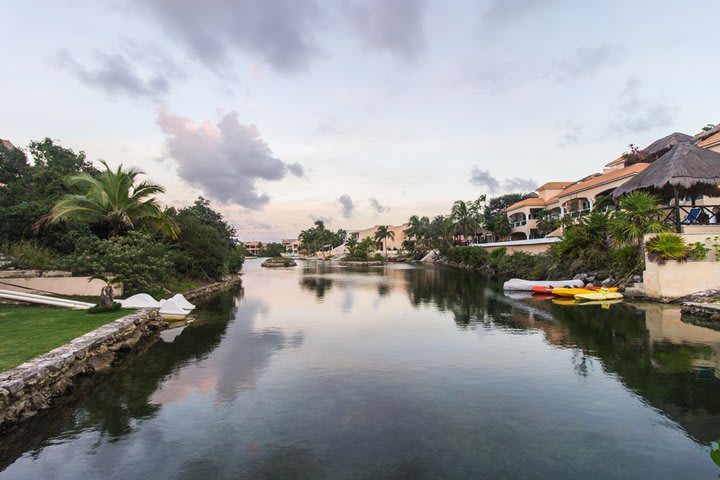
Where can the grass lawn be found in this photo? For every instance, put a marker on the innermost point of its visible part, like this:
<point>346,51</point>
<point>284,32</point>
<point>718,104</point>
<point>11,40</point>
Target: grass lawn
<point>26,332</point>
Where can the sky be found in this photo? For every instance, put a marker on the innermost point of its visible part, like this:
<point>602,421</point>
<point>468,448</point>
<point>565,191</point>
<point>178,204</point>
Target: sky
<point>356,112</point>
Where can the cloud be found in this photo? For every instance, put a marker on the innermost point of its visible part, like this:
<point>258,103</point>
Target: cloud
<point>519,184</point>
<point>376,205</point>
<point>346,205</point>
<point>223,160</point>
<point>502,13</point>
<point>280,32</point>
<point>587,61</point>
<point>638,114</point>
<point>114,73</point>
<point>573,134</point>
<point>395,26</point>
<point>483,178</point>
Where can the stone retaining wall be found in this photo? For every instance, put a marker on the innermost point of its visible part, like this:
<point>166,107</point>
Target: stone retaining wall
<point>709,312</point>
<point>206,291</point>
<point>40,383</point>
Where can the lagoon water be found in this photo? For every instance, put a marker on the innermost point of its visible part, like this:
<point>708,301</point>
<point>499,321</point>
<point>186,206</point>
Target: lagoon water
<point>397,372</point>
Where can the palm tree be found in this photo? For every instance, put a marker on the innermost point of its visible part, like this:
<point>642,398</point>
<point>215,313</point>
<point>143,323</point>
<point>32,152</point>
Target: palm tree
<point>382,234</point>
<point>114,199</point>
<point>351,244</point>
<point>464,218</point>
<point>638,213</point>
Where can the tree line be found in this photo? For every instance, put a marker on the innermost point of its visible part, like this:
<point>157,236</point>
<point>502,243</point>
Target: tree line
<point>59,211</point>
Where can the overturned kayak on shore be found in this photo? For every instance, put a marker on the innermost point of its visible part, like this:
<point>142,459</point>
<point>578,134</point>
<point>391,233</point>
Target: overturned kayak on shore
<point>518,284</point>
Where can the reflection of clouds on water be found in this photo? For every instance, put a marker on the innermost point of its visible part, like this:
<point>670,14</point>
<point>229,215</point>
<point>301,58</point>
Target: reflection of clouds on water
<point>237,363</point>
<point>348,299</point>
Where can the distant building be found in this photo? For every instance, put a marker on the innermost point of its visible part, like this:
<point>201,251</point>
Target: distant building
<point>7,144</point>
<point>291,245</point>
<point>252,248</point>
<point>392,243</point>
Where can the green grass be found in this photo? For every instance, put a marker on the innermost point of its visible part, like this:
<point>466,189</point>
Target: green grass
<point>26,332</point>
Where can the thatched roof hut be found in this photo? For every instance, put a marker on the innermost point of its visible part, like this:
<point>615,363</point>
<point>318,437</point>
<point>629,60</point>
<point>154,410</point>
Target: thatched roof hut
<point>684,167</point>
<point>661,146</point>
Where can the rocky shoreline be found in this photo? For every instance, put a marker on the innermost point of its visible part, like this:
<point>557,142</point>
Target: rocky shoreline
<point>361,263</point>
<point>44,381</point>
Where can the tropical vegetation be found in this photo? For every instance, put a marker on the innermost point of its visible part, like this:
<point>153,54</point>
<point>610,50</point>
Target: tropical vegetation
<point>57,211</point>
<point>317,238</point>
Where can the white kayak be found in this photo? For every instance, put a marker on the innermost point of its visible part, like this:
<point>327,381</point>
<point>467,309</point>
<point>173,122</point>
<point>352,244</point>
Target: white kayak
<point>518,284</point>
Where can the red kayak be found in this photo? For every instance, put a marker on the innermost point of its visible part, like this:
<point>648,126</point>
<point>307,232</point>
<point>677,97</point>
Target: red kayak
<point>545,290</point>
<point>543,296</point>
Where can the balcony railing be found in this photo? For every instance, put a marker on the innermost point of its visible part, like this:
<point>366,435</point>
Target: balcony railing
<point>520,223</point>
<point>697,215</point>
<point>578,213</point>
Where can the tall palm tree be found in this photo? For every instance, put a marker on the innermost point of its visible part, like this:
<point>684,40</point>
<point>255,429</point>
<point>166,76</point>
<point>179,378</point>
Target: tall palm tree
<point>382,234</point>
<point>115,200</point>
<point>351,244</point>
<point>464,218</point>
<point>638,213</point>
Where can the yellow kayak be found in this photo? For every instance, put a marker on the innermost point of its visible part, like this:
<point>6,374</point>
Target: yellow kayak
<point>564,301</point>
<point>603,303</point>
<point>599,296</point>
<point>570,292</point>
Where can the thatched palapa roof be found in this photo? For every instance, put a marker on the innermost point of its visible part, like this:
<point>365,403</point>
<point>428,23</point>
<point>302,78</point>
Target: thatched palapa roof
<point>666,143</point>
<point>684,167</point>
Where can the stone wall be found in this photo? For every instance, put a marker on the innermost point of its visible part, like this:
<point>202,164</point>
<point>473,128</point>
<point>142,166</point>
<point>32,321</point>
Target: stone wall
<point>38,384</point>
<point>206,291</point>
<point>703,314</point>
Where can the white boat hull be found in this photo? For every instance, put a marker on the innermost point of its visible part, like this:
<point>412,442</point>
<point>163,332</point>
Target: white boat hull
<point>520,285</point>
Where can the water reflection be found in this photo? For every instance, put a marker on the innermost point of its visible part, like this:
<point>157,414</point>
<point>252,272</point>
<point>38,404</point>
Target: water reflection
<point>236,364</point>
<point>394,372</point>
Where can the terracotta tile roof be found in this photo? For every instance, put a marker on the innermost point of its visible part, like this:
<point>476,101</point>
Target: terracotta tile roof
<point>553,185</point>
<point>552,200</point>
<point>528,202</point>
<point>7,144</point>
<point>714,138</point>
<point>604,178</point>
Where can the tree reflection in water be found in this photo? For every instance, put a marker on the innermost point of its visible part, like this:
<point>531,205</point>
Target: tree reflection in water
<point>675,374</point>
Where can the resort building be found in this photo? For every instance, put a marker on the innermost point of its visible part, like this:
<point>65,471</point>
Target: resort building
<point>252,248</point>
<point>7,144</point>
<point>709,139</point>
<point>392,243</point>
<point>561,199</point>
<point>291,245</point>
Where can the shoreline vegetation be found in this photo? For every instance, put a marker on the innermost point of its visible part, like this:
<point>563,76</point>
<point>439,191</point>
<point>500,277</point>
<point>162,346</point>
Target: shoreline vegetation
<point>603,246</point>
<point>59,212</point>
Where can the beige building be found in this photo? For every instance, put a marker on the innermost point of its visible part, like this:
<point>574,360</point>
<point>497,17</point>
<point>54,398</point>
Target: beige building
<point>291,245</point>
<point>252,248</point>
<point>561,199</point>
<point>392,243</point>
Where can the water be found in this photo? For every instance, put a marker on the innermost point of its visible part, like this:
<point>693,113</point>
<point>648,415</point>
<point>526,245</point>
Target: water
<point>393,373</point>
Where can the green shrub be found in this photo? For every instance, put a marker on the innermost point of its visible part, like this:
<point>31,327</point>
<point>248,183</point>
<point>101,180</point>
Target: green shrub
<point>697,251</point>
<point>627,260</point>
<point>378,257</point>
<point>139,260</point>
<point>98,309</point>
<point>476,257</point>
<point>26,254</point>
<point>667,246</point>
